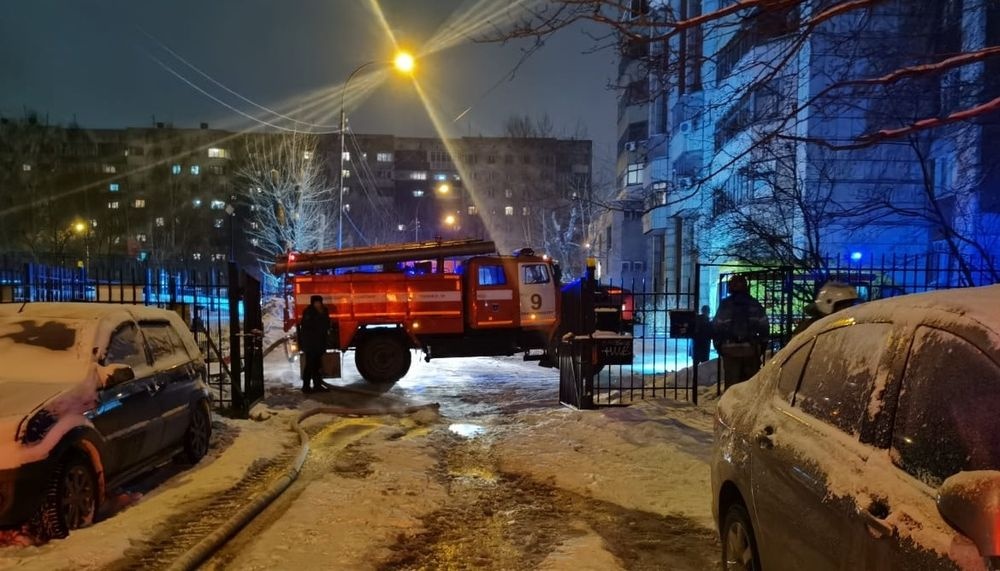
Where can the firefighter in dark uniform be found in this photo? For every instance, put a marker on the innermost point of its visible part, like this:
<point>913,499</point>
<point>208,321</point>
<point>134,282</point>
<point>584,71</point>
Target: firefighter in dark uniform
<point>313,331</point>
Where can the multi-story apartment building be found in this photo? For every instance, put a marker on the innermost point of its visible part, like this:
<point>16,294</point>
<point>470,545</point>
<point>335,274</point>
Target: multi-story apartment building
<point>520,192</point>
<point>152,192</point>
<point>757,146</point>
<point>169,194</point>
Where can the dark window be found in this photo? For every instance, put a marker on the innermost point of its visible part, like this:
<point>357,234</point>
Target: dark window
<point>791,372</point>
<point>125,348</point>
<point>841,373</point>
<point>947,417</point>
<point>492,276</point>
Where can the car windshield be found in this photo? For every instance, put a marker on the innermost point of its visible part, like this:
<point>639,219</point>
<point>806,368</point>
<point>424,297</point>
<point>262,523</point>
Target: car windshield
<point>44,349</point>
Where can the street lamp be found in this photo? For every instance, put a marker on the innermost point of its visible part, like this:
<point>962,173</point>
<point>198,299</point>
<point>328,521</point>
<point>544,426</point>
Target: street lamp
<point>444,188</point>
<point>403,63</point>
<point>83,229</point>
<point>449,220</point>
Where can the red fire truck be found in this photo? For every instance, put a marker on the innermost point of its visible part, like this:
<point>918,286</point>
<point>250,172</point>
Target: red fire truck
<point>448,298</point>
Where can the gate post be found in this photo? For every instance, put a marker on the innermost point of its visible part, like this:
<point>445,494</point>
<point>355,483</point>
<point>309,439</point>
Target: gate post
<point>235,355</point>
<point>697,308</point>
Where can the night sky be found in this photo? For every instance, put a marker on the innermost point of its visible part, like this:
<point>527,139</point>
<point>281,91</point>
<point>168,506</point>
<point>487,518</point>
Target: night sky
<point>91,59</point>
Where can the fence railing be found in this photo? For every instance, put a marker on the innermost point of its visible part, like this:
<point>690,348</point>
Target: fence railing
<point>203,294</point>
<point>664,353</point>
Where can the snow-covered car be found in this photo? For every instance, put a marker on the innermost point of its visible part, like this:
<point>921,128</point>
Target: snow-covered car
<point>91,395</point>
<point>872,441</point>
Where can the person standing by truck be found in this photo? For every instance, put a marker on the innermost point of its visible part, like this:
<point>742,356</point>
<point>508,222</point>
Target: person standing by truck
<point>313,331</point>
<point>740,330</point>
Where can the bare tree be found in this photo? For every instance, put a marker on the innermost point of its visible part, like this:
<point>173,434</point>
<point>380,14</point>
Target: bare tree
<point>524,127</point>
<point>887,70</point>
<point>285,187</point>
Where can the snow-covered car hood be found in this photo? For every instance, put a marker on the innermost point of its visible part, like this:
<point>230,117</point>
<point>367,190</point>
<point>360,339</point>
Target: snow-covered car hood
<point>19,398</point>
<point>46,350</point>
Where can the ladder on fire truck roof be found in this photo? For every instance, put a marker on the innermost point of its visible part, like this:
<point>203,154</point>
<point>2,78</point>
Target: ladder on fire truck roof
<point>374,255</point>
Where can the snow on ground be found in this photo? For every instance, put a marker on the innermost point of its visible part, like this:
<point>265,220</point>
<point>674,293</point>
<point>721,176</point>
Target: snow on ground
<point>651,456</point>
<point>236,446</point>
<point>505,478</point>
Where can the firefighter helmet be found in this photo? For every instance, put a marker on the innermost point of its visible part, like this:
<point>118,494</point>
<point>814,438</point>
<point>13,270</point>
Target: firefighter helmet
<point>834,296</point>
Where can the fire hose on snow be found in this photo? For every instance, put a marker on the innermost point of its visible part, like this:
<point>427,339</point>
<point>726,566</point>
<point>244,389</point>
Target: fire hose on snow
<point>210,544</point>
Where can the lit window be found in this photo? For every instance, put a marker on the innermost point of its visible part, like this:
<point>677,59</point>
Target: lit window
<point>509,211</point>
<point>196,203</point>
<point>93,223</point>
<point>141,237</point>
<point>307,155</point>
<point>254,226</point>
<point>418,193</point>
<point>346,173</point>
<point>109,169</point>
<point>196,256</point>
<point>217,153</point>
<point>113,187</point>
<point>217,205</point>
<point>418,175</point>
<point>113,205</point>
<point>218,257</point>
<point>254,242</point>
<point>195,169</point>
<point>524,211</point>
<point>440,176</point>
<point>634,174</point>
<point>473,210</point>
<point>401,227</point>
<point>25,167</point>
<point>384,157</point>
<point>346,155</point>
<point>347,208</point>
<point>139,203</point>
<point>175,169</point>
<point>160,222</point>
<point>218,223</point>
<point>508,193</point>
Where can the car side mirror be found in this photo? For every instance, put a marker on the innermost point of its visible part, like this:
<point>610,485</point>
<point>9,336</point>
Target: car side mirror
<point>120,374</point>
<point>970,502</point>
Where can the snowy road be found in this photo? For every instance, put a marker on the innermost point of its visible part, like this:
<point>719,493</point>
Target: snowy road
<point>505,478</point>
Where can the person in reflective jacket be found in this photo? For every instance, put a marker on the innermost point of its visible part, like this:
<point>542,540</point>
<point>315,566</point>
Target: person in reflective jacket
<point>740,331</point>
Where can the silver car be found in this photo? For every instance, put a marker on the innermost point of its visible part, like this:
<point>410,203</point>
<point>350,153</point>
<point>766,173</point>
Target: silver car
<point>872,441</point>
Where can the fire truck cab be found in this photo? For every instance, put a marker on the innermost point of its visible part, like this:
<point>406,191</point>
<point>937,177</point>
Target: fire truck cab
<point>444,298</point>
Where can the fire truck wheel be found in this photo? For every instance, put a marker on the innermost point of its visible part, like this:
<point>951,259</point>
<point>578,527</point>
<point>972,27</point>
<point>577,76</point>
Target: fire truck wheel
<point>382,358</point>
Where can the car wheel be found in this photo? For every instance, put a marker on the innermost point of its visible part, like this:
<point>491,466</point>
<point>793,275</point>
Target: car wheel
<point>70,500</point>
<point>199,434</point>
<point>739,546</point>
<point>383,359</point>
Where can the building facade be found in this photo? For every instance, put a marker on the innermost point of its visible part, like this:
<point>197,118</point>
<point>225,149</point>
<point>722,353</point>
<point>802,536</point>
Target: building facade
<point>757,146</point>
<point>165,193</point>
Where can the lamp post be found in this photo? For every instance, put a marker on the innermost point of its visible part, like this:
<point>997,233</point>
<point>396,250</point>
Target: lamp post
<point>404,63</point>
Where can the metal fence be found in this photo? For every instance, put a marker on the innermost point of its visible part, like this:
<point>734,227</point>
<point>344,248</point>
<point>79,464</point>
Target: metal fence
<point>217,301</point>
<point>662,324</point>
